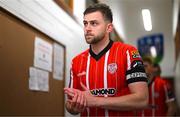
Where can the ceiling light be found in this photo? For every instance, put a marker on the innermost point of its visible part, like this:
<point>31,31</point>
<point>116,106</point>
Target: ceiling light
<point>147,19</point>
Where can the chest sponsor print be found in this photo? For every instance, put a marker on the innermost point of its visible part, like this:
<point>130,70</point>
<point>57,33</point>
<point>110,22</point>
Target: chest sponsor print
<point>103,91</point>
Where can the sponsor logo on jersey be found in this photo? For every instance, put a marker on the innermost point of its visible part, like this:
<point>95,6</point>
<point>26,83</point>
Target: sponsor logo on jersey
<point>102,92</point>
<point>135,54</point>
<point>136,63</point>
<point>112,68</point>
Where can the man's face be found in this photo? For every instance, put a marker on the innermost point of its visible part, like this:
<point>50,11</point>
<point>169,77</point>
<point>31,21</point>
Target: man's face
<point>148,68</point>
<point>157,71</point>
<point>95,27</point>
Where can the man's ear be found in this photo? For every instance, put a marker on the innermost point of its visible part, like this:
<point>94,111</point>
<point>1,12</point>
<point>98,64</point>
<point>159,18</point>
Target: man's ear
<point>110,27</point>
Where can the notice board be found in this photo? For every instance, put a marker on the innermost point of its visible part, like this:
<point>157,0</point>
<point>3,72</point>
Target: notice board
<point>16,57</point>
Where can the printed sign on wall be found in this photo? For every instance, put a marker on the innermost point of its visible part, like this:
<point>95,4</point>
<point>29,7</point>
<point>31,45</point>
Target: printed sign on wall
<point>152,46</point>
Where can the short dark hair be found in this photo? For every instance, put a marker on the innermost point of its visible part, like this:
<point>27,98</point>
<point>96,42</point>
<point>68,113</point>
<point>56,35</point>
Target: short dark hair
<point>148,60</point>
<point>103,8</point>
<point>156,65</point>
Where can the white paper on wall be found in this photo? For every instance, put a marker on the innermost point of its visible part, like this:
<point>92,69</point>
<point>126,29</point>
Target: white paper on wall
<point>58,71</point>
<point>38,79</point>
<point>43,54</point>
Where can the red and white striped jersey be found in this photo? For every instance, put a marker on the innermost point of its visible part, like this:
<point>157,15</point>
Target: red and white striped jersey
<point>107,74</point>
<point>160,93</point>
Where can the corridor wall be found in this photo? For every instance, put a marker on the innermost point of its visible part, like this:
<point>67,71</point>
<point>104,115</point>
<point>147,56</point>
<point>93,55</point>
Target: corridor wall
<point>16,57</point>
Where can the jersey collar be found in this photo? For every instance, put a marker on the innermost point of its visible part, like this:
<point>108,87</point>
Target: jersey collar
<point>98,56</point>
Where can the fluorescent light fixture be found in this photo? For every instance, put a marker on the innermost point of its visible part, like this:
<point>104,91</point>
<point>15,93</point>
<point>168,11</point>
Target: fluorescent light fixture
<point>147,19</point>
<point>153,51</point>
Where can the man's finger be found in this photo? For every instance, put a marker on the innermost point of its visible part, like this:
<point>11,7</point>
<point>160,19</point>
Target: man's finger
<point>78,100</point>
<point>69,92</point>
<point>68,89</point>
<point>84,87</point>
<point>74,100</point>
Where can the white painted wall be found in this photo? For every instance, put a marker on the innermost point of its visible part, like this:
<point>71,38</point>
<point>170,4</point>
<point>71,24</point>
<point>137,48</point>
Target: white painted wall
<point>176,10</point>
<point>78,9</point>
<point>118,20</point>
<point>48,17</point>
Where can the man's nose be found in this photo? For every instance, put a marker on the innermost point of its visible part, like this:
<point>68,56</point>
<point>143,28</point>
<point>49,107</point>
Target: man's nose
<point>88,27</point>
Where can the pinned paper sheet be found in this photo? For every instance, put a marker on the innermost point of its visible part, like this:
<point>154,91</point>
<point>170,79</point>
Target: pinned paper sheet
<point>38,80</point>
<point>43,54</point>
<point>58,72</point>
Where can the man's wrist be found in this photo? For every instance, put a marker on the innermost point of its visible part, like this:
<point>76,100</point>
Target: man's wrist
<point>97,102</point>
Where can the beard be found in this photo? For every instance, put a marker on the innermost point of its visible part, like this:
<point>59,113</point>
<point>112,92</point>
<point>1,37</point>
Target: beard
<point>91,39</point>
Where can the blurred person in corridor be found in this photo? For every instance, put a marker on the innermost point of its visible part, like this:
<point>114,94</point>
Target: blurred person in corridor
<point>161,97</point>
<point>108,79</point>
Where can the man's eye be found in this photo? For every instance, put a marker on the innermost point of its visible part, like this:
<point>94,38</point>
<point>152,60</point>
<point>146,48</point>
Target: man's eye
<point>85,23</point>
<point>93,23</point>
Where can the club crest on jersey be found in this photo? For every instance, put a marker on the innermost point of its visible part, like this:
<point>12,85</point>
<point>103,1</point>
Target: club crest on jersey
<point>112,68</point>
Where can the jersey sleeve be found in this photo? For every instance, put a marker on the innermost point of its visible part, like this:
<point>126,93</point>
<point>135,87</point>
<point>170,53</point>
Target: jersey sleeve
<point>168,92</point>
<point>135,71</point>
